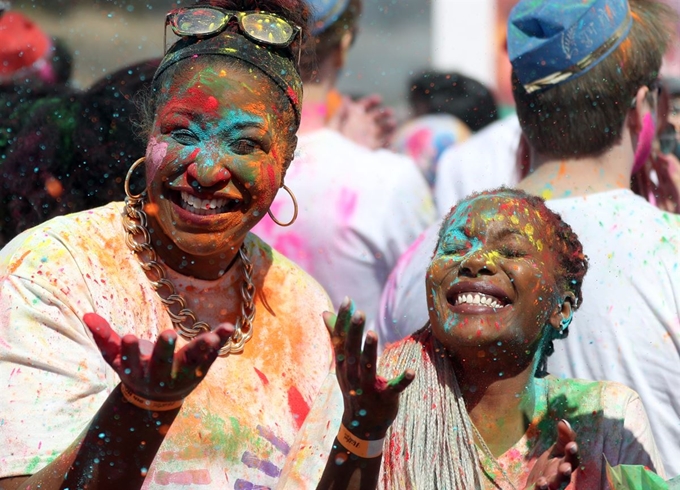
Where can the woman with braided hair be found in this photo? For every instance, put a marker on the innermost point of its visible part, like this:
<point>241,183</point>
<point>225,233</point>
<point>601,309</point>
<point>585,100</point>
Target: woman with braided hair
<point>480,411</point>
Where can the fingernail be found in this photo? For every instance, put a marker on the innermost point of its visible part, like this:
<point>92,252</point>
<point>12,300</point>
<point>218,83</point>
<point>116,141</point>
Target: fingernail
<point>573,449</point>
<point>568,424</point>
<point>370,340</point>
<point>345,303</point>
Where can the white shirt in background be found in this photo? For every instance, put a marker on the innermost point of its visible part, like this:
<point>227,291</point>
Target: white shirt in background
<point>485,161</point>
<point>359,211</point>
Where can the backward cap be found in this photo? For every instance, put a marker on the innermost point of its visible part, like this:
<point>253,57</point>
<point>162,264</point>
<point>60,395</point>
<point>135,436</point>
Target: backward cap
<point>552,41</point>
<point>325,12</point>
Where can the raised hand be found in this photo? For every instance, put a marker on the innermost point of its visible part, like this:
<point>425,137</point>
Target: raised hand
<point>555,467</point>
<point>371,402</point>
<point>155,371</point>
<point>365,121</point>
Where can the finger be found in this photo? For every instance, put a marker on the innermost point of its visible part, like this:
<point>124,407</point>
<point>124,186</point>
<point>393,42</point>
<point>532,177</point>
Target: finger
<point>565,435</point>
<point>341,327</point>
<point>542,484</point>
<point>572,455</point>
<point>369,358</point>
<point>108,341</point>
<point>160,366</point>
<point>198,356</point>
<point>130,358</point>
<point>400,383</point>
<point>353,345</point>
<point>371,102</point>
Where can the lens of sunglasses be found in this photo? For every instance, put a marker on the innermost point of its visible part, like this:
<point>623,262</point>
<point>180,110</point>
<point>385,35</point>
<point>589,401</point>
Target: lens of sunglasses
<point>267,28</point>
<point>197,22</point>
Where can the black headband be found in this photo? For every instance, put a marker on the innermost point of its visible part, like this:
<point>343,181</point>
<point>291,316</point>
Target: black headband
<point>279,68</point>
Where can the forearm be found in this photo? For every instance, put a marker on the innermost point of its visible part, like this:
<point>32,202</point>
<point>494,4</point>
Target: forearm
<point>114,451</point>
<point>346,471</point>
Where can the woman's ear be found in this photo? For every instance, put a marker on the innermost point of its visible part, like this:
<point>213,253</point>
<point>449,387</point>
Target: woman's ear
<point>345,43</point>
<point>563,313</point>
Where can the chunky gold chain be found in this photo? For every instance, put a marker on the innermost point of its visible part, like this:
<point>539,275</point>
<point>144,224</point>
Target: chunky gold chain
<point>138,239</point>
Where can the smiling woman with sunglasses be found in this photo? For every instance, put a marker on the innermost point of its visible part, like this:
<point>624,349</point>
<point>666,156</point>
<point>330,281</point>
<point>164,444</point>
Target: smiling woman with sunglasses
<point>157,342</point>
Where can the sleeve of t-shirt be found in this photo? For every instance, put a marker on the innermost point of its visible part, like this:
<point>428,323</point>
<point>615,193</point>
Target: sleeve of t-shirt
<point>403,305</point>
<point>307,458</point>
<point>53,376</point>
<point>638,445</point>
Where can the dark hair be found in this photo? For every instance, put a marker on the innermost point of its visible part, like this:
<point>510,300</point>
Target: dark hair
<point>318,48</point>
<point>433,92</point>
<point>585,116</point>
<point>67,151</point>
<point>572,261</point>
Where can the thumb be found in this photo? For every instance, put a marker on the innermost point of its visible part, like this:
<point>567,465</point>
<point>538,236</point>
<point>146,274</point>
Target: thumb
<point>106,339</point>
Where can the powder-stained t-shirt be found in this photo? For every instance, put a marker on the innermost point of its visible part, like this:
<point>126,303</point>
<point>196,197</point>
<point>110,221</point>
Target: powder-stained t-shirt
<point>628,328</point>
<point>359,211</point>
<point>608,418</point>
<point>234,431</point>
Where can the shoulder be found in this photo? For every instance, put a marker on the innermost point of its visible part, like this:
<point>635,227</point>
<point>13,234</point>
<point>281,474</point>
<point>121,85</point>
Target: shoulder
<point>77,234</point>
<point>574,397</point>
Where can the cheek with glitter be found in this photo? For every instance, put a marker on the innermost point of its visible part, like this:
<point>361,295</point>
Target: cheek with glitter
<point>155,154</point>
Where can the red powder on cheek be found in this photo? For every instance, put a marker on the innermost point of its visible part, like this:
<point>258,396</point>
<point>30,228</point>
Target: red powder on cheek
<point>271,175</point>
<point>194,154</point>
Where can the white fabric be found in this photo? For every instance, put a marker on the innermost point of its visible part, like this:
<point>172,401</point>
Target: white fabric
<point>627,330</point>
<point>233,431</point>
<point>485,161</point>
<point>359,211</point>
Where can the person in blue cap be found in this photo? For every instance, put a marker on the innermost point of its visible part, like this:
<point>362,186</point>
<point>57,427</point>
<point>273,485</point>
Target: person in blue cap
<point>585,79</point>
<point>360,208</point>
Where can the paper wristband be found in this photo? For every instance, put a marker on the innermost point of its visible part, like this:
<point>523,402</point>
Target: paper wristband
<point>153,405</point>
<point>359,447</point>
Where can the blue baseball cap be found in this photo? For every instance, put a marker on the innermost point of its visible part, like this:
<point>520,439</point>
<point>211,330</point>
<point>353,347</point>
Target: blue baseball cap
<point>325,13</point>
<point>552,41</point>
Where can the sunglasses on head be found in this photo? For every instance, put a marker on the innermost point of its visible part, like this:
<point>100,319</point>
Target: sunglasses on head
<point>260,27</point>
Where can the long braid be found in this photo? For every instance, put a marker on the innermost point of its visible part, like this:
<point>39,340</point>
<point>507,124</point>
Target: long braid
<point>430,445</point>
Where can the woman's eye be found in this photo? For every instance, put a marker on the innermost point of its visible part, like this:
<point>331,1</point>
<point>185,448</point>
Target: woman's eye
<point>511,252</point>
<point>184,136</point>
<point>245,146</point>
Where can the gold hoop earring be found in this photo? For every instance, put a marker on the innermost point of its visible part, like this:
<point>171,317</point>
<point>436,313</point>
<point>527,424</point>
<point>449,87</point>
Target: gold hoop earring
<point>295,209</point>
<point>128,192</point>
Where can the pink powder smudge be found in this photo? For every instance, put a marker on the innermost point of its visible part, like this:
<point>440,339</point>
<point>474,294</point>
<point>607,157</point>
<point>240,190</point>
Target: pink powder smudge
<point>190,477</point>
<point>346,205</point>
<point>155,154</point>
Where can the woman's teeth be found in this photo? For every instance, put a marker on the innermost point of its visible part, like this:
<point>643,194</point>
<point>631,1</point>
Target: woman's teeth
<point>478,299</point>
<point>205,206</point>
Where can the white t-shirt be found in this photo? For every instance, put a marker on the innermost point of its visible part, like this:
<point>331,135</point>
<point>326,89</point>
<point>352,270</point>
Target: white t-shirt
<point>232,432</point>
<point>485,161</point>
<point>628,329</point>
<point>359,211</point>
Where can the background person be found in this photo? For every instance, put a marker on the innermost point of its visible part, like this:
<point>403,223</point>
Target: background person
<point>359,209</point>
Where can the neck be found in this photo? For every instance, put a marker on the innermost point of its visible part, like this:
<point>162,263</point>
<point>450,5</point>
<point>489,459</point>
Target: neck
<point>315,106</point>
<point>500,404</point>
<point>206,267</point>
<point>553,178</point>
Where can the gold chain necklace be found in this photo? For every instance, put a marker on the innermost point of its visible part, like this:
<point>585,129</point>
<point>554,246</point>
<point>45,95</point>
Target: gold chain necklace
<point>489,455</point>
<point>135,224</point>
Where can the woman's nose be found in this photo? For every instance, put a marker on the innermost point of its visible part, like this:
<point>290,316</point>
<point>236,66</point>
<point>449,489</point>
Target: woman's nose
<point>208,175</point>
<point>477,263</point>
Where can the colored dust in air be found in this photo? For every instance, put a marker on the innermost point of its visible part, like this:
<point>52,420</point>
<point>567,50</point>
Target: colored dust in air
<point>54,187</point>
<point>151,209</point>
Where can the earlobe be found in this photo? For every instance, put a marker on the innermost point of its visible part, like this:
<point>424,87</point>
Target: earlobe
<point>563,313</point>
<point>640,107</point>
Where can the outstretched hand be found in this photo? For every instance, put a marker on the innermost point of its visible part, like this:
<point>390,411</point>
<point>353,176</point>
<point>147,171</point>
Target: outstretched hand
<point>371,402</point>
<point>155,371</point>
<point>555,467</point>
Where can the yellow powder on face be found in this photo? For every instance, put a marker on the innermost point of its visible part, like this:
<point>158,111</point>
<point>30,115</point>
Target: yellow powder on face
<point>547,194</point>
